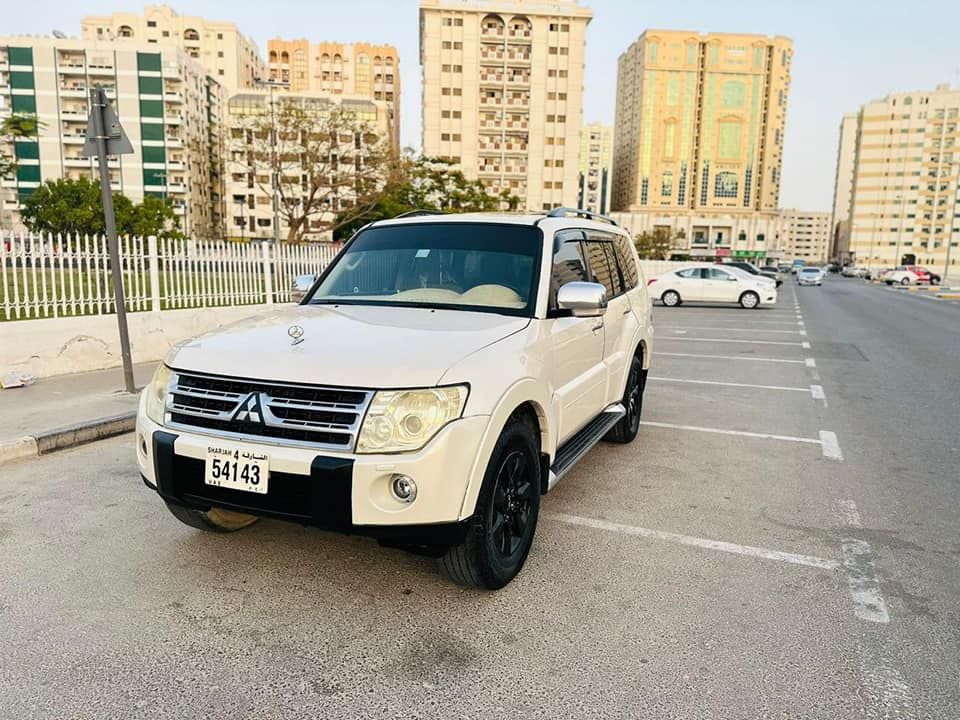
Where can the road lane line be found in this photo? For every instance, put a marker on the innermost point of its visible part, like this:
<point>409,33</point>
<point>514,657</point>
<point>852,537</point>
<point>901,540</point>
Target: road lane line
<point>830,445</point>
<point>733,384</point>
<point>740,433</point>
<point>747,550</point>
<point>732,340</point>
<point>730,357</point>
<point>868,602</point>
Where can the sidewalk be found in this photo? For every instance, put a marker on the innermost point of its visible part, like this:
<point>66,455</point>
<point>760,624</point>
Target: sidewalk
<point>65,401</point>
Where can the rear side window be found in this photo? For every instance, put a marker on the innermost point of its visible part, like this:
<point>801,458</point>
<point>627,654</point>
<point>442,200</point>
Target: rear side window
<point>689,273</point>
<point>628,266</point>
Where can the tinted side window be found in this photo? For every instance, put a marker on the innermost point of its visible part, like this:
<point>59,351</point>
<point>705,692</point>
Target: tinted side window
<point>718,274</point>
<point>600,266</point>
<point>628,266</point>
<point>689,273</point>
<point>568,266</point>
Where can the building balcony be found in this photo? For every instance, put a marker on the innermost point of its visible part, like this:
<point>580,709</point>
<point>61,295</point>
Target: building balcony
<point>72,69</point>
<point>75,161</point>
<point>522,58</point>
<point>518,80</point>
<point>486,54</point>
<point>488,32</point>
<point>172,96</point>
<point>491,78</point>
<point>173,118</point>
<point>73,139</point>
<point>491,102</point>
<point>518,102</point>
<point>174,142</point>
<point>73,91</point>
<point>74,114</point>
<point>100,71</point>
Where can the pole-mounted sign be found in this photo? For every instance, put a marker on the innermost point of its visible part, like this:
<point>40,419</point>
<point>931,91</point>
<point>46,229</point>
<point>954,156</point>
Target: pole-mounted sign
<point>106,137</point>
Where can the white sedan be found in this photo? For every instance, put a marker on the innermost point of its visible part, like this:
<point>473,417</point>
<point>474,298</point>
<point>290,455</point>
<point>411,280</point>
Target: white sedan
<point>712,284</point>
<point>900,276</point>
<point>810,276</point>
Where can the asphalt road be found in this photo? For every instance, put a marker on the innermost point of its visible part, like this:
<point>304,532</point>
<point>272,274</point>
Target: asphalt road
<point>780,545</point>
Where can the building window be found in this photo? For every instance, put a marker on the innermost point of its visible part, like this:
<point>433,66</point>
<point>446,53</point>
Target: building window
<point>732,94</point>
<point>725,185</point>
<point>729,144</point>
<point>666,187</point>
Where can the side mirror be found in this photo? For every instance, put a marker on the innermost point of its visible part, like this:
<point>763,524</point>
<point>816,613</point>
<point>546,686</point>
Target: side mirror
<point>301,286</point>
<point>583,299</point>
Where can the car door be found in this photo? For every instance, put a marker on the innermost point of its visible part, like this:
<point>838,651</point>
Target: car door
<point>619,322</point>
<point>689,283</point>
<point>720,285</point>
<point>577,372</point>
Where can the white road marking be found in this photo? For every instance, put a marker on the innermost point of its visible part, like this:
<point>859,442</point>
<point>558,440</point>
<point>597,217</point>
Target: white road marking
<point>830,445</point>
<point>731,329</point>
<point>810,362</point>
<point>868,602</point>
<point>803,333</point>
<point>887,693</point>
<point>817,392</point>
<point>805,345</point>
<point>741,433</point>
<point>748,550</point>
<point>730,340</point>
<point>732,384</point>
<point>729,357</point>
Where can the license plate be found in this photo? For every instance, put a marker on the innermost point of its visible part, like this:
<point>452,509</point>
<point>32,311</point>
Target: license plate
<point>237,469</point>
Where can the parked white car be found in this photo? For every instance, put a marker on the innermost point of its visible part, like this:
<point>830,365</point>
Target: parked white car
<point>712,283</point>
<point>810,276</point>
<point>441,374</point>
<point>900,277</point>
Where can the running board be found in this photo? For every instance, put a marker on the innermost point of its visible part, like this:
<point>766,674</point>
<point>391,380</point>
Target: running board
<point>576,447</point>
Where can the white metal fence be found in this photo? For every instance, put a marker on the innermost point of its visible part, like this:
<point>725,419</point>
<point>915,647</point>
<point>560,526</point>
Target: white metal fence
<point>55,276</point>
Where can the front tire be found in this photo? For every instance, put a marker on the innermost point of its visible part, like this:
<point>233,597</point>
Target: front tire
<point>213,520</point>
<point>501,531</point>
<point>671,298</point>
<point>749,300</point>
<point>905,281</point>
<point>626,430</point>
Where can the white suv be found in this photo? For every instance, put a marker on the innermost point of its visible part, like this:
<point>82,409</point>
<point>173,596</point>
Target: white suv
<point>441,374</point>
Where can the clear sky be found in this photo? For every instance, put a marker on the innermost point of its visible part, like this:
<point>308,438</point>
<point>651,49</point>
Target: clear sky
<point>846,52</point>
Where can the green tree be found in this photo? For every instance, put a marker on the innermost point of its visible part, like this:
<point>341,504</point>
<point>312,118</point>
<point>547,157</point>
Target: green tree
<point>75,207</point>
<point>428,184</point>
<point>655,245</point>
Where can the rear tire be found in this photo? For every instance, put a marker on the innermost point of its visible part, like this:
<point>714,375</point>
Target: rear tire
<point>905,281</point>
<point>626,430</point>
<point>749,300</point>
<point>502,527</point>
<point>671,298</point>
<point>213,520</point>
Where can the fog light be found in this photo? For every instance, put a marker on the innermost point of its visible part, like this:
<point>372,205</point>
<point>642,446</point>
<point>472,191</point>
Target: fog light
<point>403,488</point>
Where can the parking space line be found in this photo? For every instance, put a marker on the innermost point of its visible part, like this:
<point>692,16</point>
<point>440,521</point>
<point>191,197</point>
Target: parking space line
<point>868,602</point>
<point>731,357</point>
<point>830,445</point>
<point>732,384</point>
<point>748,550</point>
<point>731,340</point>
<point>817,393</point>
<point>805,344</point>
<point>827,440</point>
<point>810,362</point>
<point>731,329</point>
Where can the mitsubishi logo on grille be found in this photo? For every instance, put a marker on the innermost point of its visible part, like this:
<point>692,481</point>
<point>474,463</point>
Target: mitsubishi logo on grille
<point>249,410</point>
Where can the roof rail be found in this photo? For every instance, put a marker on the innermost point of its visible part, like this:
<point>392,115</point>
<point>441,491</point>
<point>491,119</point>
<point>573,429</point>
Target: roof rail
<point>416,213</point>
<point>565,211</point>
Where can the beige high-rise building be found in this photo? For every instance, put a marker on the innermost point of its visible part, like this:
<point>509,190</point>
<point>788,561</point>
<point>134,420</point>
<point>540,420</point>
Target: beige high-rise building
<point>340,69</point>
<point>905,206</point>
<point>805,235</point>
<point>596,151</point>
<point>503,93</point>
<point>843,189</point>
<point>699,129</point>
<point>249,189</point>
<point>166,102</point>
<point>230,57</point>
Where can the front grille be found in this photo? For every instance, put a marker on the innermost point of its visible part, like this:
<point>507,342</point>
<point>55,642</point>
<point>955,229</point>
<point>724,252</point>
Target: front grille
<point>291,414</point>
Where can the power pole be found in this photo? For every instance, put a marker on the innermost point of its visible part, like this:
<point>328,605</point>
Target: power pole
<point>106,137</point>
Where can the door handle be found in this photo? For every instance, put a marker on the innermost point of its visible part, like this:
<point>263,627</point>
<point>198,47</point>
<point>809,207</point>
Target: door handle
<point>598,327</point>
<point>627,311</point>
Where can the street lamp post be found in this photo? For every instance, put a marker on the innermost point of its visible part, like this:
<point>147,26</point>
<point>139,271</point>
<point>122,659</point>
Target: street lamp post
<point>274,160</point>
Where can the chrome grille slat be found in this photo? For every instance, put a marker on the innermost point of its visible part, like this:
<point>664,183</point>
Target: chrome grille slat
<point>279,413</point>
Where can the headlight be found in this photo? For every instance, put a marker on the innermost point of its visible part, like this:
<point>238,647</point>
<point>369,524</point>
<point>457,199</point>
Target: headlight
<point>404,420</point>
<point>157,394</point>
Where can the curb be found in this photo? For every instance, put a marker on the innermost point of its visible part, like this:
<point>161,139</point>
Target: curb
<point>61,438</point>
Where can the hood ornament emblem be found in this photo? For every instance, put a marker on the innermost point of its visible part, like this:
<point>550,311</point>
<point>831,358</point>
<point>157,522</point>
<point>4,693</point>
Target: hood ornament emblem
<point>296,333</point>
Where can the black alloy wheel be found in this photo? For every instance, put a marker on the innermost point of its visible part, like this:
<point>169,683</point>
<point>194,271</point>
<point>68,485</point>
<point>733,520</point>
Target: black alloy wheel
<point>513,497</point>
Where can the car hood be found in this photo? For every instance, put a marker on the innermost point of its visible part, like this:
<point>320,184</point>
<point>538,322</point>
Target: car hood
<point>355,346</point>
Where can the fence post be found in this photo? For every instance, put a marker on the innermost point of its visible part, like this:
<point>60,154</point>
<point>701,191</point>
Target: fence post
<point>154,258</point>
<point>267,272</point>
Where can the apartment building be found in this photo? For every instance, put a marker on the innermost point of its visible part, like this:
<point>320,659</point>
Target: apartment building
<point>843,189</point>
<point>905,205</point>
<point>805,235</point>
<point>340,69</point>
<point>249,163</point>
<point>230,57</point>
<point>699,131</point>
<point>596,150</point>
<point>166,102</point>
<point>503,93</point>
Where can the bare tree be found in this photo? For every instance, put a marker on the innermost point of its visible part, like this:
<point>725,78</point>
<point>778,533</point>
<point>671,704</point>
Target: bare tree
<point>324,158</point>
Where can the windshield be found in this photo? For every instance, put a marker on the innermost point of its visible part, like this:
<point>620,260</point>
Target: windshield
<point>810,271</point>
<point>483,267</point>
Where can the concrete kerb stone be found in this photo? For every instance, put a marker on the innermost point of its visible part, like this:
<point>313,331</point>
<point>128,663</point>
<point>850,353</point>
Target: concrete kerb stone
<point>67,437</point>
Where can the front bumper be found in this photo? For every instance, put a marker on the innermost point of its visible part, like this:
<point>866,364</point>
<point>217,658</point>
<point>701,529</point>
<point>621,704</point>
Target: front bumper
<point>768,297</point>
<point>337,491</point>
